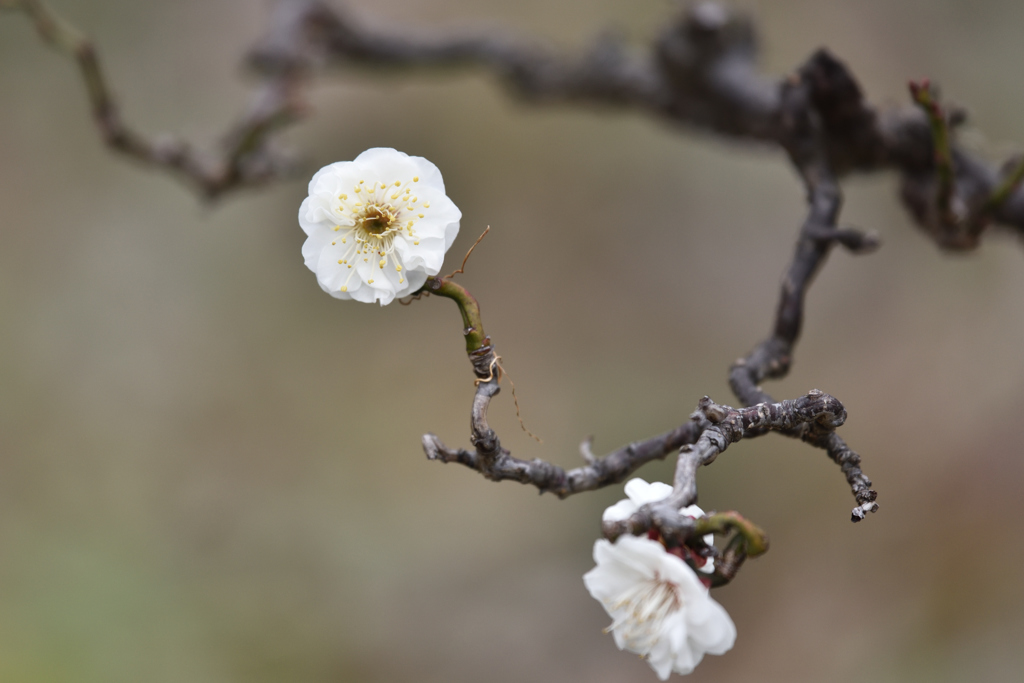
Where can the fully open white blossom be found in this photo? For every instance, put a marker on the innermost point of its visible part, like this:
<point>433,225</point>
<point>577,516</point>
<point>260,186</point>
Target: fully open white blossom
<point>377,226</point>
<point>638,493</point>
<point>659,608</point>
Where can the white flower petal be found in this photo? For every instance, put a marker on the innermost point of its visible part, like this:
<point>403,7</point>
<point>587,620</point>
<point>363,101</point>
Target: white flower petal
<point>645,555</point>
<point>610,577</point>
<point>692,511</point>
<point>312,247</point>
<point>363,293</point>
<point>713,629</point>
<point>661,659</point>
<point>427,255</point>
<point>642,493</point>
<point>416,279</point>
<point>383,158</point>
<point>328,176</point>
<point>620,511</point>
<point>627,554</point>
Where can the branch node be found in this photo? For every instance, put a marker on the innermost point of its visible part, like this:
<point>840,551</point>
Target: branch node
<point>586,450</point>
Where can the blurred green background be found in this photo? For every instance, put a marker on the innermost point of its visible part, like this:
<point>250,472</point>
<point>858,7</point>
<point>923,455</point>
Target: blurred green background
<point>197,483</point>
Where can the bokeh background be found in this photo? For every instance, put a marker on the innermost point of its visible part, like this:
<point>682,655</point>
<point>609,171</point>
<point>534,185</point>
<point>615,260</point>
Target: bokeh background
<point>195,485</point>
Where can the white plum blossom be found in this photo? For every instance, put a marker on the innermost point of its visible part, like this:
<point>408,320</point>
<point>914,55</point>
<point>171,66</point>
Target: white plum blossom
<point>659,608</point>
<point>638,493</point>
<point>377,226</point>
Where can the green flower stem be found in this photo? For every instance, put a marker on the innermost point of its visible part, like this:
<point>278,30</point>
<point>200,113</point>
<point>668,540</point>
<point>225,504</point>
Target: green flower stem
<point>722,522</point>
<point>478,344</point>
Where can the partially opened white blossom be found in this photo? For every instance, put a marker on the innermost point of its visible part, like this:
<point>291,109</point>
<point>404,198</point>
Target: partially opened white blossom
<point>377,226</point>
<point>638,493</point>
<point>659,608</point>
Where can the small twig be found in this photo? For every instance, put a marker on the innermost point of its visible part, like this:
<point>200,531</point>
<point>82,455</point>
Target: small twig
<point>925,96</point>
<point>463,266</point>
<point>1013,174</point>
<point>587,450</point>
<point>414,297</point>
<point>855,241</point>
<point>246,158</point>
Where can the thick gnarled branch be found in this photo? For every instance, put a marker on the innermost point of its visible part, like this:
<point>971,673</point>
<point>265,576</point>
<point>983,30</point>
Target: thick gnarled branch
<point>700,71</point>
<point>708,432</point>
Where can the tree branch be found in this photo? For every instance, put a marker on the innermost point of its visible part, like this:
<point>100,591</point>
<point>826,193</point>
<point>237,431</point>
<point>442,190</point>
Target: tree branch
<point>771,358</point>
<point>708,432</point>
<point>245,158</point>
<point>699,72</point>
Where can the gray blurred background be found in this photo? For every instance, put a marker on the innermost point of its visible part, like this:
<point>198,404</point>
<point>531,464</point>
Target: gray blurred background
<point>196,485</point>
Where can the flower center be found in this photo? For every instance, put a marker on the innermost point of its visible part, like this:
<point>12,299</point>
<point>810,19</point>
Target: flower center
<point>642,608</point>
<point>376,222</point>
<point>377,219</point>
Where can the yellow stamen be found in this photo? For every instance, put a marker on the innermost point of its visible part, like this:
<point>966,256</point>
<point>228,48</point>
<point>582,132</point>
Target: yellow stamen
<point>344,288</point>
<point>415,178</point>
<point>369,282</point>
